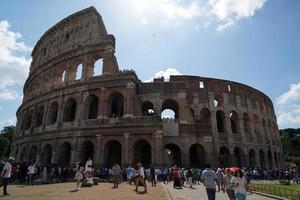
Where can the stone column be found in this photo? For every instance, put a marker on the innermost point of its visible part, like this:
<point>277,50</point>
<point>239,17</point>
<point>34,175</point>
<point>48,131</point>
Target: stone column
<point>103,110</point>
<point>257,158</point>
<point>185,158</point>
<point>125,155</point>
<point>130,92</point>
<point>157,160</point>
<point>98,152</point>
<point>60,111</point>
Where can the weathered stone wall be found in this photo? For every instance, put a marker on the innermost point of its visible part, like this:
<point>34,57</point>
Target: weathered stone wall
<point>70,112</point>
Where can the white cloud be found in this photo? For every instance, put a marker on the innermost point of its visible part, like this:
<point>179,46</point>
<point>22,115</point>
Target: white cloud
<point>229,12</point>
<point>6,94</point>
<point>8,122</point>
<point>224,13</point>
<point>13,61</point>
<point>166,74</point>
<point>288,104</point>
<point>293,94</point>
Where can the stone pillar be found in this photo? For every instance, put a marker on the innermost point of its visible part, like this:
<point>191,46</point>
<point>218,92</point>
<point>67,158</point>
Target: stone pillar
<point>103,110</point>
<point>185,158</point>
<point>74,151</point>
<point>157,160</point>
<point>257,158</point>
<point>98,152</point>
<point>45,115</point>
<point>60,111</point>
<point>130,92</point>
<point>125,154</point>
<point>110,64</point>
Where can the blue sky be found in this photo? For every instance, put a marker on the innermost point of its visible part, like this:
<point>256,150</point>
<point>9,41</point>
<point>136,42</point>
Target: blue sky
<point>255,42</point>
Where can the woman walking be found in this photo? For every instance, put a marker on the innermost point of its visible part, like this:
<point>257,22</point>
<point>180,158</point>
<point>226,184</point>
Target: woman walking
<point>227,184</point>
<point>78,175</point>
<point>239,184</point>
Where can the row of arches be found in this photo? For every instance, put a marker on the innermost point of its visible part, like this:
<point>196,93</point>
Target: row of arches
<point>142,151</point>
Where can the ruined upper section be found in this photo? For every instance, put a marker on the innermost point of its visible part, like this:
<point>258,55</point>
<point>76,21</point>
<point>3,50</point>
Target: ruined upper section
<point>79,30</point>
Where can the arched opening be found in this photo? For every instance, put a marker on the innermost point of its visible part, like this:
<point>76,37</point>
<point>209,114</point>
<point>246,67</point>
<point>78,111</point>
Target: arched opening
<point>170,109</point>
<point>225,157</point>
<point>33,154</point>
<point>148,108</point>
<point>172,155</point>
<point>23,155</point>
<point>262,159</point>
<point>142,152</point>
<point>257,128</point>
<point>65,154</point>
<point>86,151</point>
<point>117,105</point>
<point>197,156</point>
<point>46,156</point>
<point>220,115</point>
<point>39,117</point>
<point>247,127</point>
<point>234,122</point>
<point>239,157</point>
<point>70,110</point>
<point>218,101</point>
<point>63,76</point>
<point>28,119</point>
<point>98,65</point>
<point>53,111</point>
<point>270,160</point>
<point>79,72</point>
<point>205,115</point>
<point>252,159</point>
<point>91,107</point>
<point>113,153</point>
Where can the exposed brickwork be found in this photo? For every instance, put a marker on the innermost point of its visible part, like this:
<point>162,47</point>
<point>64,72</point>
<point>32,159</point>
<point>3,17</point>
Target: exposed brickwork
<point>65,118</point>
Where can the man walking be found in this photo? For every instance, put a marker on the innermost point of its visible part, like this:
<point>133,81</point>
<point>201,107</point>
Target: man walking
<point>116,171</point>
<point>210,179</point>
<point>6,173</point>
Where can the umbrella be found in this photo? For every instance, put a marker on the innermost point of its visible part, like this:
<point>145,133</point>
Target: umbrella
<point>234,168</point>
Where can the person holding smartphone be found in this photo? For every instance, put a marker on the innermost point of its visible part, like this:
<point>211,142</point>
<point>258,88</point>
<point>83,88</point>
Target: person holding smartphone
<point>239,184</point>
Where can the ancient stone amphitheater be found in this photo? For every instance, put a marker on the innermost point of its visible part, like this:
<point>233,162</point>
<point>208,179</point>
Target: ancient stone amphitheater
<point>78,104</point>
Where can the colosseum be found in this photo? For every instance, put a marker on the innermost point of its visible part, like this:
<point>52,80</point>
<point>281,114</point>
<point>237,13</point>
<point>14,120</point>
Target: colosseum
<point>78,104</point>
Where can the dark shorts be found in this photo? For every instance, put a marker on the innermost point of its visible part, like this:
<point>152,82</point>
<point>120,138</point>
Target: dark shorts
<point>230,193</point>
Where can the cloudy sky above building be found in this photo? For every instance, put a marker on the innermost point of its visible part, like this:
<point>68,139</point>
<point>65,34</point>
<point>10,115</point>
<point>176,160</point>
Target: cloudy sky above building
<point>255,42</point>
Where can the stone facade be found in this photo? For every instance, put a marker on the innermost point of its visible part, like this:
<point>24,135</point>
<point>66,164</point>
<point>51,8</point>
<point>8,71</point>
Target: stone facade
<point>71,110</point>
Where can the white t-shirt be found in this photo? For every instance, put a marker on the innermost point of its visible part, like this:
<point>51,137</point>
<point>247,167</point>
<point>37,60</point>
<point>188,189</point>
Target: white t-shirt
<point>7,169</point>
<point>31,169</point>
<point>241,188</point>
<point>142,172</point>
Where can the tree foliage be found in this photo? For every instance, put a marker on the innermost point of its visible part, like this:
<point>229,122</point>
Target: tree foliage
<point>6,136</point>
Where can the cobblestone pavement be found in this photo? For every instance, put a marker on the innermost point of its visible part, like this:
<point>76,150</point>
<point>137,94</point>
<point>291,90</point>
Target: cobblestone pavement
<point>199,193</point>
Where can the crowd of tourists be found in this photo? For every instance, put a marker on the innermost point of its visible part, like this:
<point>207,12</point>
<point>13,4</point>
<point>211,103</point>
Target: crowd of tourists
<point>234,181</point>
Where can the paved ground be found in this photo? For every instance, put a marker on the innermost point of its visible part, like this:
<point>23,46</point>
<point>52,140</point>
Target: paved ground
<point>63,191</point>
<point>199,193</point>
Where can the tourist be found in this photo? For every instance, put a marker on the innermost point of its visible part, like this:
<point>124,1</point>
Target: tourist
<point>31,172</point>
<point>140,180</point>
<point>129,174</point>
<point>88,168</point>
<point>220,178</point>
<point>227,184</point>
<point>78,175</point>
<point>5,175</point>
<point>189,175</point>
<point>152,176</point>
<point>239,184</point>
<point>176,177</point>
<point>209,178</point>
<point>116,173</point>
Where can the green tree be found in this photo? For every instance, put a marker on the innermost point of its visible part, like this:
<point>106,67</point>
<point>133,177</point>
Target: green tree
<point>7,133</point>
<point>4,144</point>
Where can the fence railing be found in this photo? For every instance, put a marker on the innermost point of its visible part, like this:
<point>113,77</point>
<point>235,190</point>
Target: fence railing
<point>276,190</point>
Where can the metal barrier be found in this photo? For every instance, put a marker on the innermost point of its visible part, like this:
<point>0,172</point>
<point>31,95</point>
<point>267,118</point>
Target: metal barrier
<point>276,190</point>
